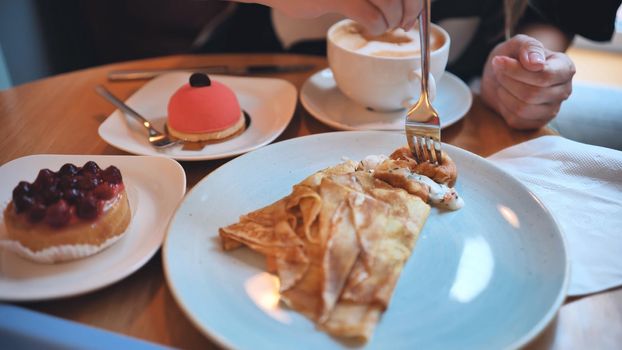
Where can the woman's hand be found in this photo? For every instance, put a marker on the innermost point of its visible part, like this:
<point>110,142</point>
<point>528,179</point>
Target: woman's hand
<point>377,16</point>
<point>526,83</point>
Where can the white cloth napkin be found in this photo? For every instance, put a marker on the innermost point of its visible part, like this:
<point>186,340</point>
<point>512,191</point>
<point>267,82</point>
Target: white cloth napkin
<point>581,185</point>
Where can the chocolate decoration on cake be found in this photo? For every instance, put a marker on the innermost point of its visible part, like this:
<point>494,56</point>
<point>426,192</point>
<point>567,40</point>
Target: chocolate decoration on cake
<point>199,80</point>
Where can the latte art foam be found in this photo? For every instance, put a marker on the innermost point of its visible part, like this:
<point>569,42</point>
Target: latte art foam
<point>394,43</point>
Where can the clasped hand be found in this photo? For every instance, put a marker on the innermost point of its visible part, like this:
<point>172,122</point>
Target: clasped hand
<point>526,83</point>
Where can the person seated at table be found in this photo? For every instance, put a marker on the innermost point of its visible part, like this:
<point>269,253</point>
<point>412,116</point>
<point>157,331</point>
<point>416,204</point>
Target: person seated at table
<point>525,79</point>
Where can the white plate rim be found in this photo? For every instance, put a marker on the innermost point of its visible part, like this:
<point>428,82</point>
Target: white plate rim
<point>322,117</point>
<point>285,120</point>
<point>180,190</point>
<point>537,328</point>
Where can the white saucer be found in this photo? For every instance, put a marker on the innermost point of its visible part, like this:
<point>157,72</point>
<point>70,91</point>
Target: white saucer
<point>269,102</point>
<point>155,186</point>
<point>324,101</point>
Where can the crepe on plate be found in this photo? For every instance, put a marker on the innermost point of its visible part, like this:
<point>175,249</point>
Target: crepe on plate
<point>339,241</point>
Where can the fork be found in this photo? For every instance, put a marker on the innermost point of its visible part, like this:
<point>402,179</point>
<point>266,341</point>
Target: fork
<point>156,138</point>
<point>422,125</point>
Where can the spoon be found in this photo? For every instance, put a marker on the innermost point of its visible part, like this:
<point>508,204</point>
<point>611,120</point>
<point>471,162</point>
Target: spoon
<point>157,139</point>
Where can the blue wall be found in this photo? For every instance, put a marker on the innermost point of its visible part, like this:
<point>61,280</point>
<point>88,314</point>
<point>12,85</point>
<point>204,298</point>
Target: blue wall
<point>21,42</point>
<point>5,79</point>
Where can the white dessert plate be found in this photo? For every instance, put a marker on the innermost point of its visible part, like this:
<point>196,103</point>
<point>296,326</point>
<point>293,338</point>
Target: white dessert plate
<point>323,100</point>
<point>489,276</point>
<point>269,102</point>
<point>155,186</point>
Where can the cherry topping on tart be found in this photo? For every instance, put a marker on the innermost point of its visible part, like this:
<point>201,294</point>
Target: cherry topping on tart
<point>112,175</point>
<point>87,207</point>
<point>72,193</point>
<point>90,167</point>
<point>68,169</point>
<point>58,214</point>
<point>36,212</point>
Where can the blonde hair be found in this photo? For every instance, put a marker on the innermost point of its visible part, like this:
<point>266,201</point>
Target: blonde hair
<point>512,12</point>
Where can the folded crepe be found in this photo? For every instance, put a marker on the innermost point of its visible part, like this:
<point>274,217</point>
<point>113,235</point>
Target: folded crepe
<point>338,243</point>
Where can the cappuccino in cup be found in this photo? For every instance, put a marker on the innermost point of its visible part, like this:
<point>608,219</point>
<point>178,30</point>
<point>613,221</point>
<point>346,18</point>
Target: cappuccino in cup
<point>395,43</point>
<point>383,72</point>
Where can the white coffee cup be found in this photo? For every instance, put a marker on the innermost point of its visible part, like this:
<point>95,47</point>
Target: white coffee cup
<point>383,75</point>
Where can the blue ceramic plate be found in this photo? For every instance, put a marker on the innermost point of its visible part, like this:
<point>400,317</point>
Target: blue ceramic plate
<point>18,332</point>
<point>489,276</point>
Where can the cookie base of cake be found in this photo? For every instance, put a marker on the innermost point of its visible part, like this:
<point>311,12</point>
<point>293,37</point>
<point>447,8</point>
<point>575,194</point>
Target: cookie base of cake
<point>208,136</point>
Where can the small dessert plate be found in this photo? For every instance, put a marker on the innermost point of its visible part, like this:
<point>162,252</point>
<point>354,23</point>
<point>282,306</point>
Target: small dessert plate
<point>155,186</point>
<point>269,102</point>
<point>323,100</point>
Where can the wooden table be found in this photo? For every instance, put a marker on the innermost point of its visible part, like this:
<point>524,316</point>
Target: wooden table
<point>61,115</point>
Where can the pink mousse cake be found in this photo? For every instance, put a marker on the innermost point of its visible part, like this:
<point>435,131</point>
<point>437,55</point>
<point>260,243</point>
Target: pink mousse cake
<point>204,110</point>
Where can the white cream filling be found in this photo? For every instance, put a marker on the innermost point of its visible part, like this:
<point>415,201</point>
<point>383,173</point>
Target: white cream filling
<point>371,162</point>
<point>441,195</point>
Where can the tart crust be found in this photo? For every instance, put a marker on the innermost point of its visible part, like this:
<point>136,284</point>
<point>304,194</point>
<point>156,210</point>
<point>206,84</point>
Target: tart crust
<point>36,237</point>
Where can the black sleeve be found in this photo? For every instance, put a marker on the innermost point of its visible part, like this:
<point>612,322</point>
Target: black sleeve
<point>593,19</point>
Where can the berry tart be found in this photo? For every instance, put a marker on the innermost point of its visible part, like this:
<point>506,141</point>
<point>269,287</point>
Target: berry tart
<point>68,214</point>
<point>204,110</point>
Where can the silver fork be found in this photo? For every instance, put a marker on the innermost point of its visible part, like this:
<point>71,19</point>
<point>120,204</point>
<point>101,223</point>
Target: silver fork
<point>423,128</point>
<point>157,139</point>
